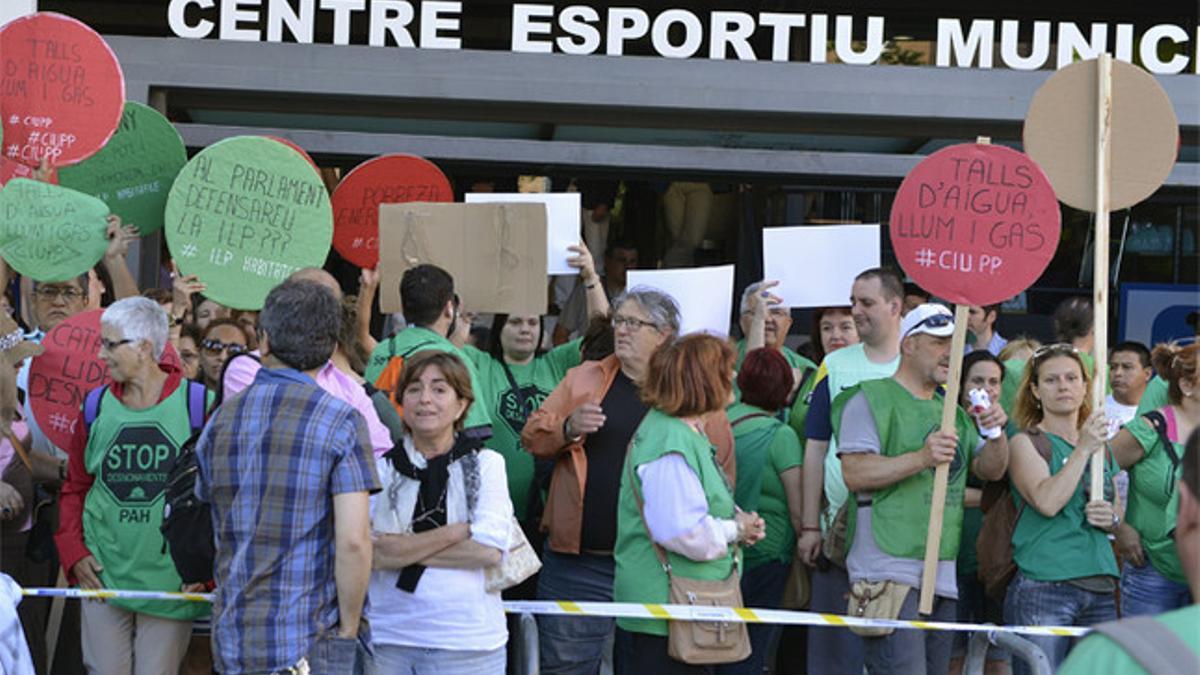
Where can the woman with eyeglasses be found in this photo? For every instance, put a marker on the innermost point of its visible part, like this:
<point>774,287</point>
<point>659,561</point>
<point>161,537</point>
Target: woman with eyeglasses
<point>1151,448</point>
<point>1066,570</point>
<point>585,427</point>
<point>112,502</point>
<point>221,340</point>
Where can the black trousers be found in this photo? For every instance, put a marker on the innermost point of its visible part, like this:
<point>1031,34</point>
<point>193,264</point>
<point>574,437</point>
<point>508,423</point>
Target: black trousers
<point>643,654</point>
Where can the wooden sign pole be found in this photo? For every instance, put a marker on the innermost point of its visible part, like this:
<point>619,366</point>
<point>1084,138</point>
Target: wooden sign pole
<point>1100,264</point>
<point>941,475</point>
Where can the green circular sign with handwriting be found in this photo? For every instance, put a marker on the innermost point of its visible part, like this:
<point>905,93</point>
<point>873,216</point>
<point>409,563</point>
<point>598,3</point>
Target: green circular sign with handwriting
<point>133,172</point>
<point>243,215</point>
<point>51,233</point>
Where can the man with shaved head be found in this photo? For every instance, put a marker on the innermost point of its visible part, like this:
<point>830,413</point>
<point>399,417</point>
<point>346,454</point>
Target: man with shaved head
<point>241,370</point>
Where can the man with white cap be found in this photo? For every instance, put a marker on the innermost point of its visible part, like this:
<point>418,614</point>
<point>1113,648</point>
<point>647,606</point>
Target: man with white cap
<point>889,441</point>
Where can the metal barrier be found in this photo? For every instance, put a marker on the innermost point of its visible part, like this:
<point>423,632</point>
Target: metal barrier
<point>1033,656</point>
<point>525,642</point>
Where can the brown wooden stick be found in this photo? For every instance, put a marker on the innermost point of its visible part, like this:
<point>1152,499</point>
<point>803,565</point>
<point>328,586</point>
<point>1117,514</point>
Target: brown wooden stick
<point>941,475</point>
<point>1100,262</point>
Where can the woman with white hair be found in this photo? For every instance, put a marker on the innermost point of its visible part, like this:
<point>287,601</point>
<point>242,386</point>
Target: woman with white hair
<point>112,502</point>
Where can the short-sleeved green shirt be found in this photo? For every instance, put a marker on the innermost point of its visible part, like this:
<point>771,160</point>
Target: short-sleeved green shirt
<point>765,448</point>
<point>1098,655</point>
<point>1154,397</point>
<point>1151,487</point>
<point>510,406</point>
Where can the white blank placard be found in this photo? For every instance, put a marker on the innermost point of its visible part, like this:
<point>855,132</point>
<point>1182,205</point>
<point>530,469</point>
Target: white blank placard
<point>816,264</point>
<point>563,217</point>
<point>704,294</point>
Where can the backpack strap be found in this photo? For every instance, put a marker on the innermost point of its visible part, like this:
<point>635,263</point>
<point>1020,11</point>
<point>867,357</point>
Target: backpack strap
<point>1152,644</point>
<point>197,400</point>
<point>1159,423</point>
<point>91,406</point>
<point>747,416</point>
<point>1041,443</point>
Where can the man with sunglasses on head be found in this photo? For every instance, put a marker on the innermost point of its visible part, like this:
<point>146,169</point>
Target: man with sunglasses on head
<point>876,299</point>
<point>431,310</point>
<point>889,443</point>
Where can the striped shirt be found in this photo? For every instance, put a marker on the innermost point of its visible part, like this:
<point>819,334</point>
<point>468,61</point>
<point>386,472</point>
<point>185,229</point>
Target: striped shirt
<point>271,460</point>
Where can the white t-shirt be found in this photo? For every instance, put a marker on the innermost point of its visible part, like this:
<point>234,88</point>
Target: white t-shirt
<point>1118,414</point>
<point>449,609</point>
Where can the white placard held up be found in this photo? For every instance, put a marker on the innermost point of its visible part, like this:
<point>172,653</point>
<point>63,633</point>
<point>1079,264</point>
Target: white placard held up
<point>704,294</point>
<point>816,264</point>
<point>563,213</point>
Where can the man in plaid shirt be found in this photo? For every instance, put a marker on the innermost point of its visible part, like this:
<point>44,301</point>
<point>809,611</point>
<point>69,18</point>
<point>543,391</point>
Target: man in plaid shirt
<point>288,470</point>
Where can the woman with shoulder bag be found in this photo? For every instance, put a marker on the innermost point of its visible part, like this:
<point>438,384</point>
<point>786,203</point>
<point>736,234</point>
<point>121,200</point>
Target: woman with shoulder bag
<point>442,518</point>
<point>677,526</point>
<point>1151,448</point>
<point>1066,571</point>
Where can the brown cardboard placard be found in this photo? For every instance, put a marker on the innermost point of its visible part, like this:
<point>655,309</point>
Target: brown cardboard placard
<point>495,252</point>
<point>1061,127</point>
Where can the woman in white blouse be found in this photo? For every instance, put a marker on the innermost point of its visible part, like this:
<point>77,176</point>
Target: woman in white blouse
<point>442,517</point>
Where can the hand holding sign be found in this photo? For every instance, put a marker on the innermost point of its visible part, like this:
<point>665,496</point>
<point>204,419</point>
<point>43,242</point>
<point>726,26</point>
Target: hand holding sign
<point>62,88</point>
<point>975,224</point>
<point>243,215</point>
<point>51,233</point>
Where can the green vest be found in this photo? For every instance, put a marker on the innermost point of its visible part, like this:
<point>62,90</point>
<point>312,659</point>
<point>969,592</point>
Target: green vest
<point>764,449</point>
<point>1064,546</point>
<point>845,368</point>
<point>640,577</point>
<point>510,406</point>
<point>129,453</point>
<point>900,512</point>
<point>1152,499</point>
<point>418,339</point>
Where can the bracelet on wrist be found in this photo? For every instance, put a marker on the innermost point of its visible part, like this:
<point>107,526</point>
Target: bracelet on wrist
<point>810,529</point>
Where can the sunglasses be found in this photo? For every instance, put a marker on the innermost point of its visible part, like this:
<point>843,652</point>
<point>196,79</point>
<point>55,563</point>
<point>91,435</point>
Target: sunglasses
<point>215,347</point>
<point>1054,349</point>
<point>934,321</point>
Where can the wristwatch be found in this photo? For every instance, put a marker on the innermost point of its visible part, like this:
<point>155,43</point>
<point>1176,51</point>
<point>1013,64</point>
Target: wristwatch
<point>567,432</point>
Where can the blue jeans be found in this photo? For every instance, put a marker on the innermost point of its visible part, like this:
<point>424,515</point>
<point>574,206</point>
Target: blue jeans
<point>574,645</point>
<point>404,660</point>
<point>1053,603</point>
<point>1145,591</point>
<point>763,587</point>
<point>342,656</point>
<point>909,651</point>
<point>832,651</point>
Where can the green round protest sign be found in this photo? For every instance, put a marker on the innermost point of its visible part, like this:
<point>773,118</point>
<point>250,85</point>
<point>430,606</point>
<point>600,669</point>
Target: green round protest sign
<point>244,214</point>
<point>134,170</point>
<point>50,233</point>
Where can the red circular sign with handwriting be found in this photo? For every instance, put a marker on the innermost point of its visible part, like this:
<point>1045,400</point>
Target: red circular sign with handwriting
<point>975,224</point>
<point>298,149</point>
<point>63,91</point>
<point>390,179</point>
<point>61,377</point>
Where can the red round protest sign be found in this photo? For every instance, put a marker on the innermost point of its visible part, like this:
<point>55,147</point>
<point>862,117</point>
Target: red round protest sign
<point>66,371</point>
<point>975,224</point>
<point>390,179</point>
<point>298,149</point>
<point>63,91</point>
<point>10,170</point>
